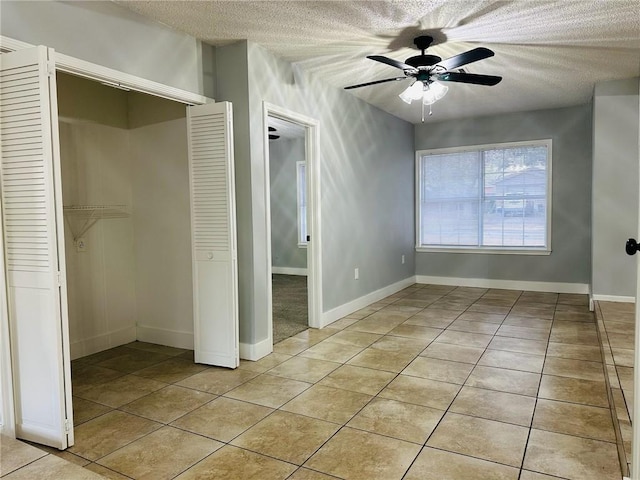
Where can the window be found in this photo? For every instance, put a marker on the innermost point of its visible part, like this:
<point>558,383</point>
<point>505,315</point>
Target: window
<point>495,198</point>
<point>301,175</point>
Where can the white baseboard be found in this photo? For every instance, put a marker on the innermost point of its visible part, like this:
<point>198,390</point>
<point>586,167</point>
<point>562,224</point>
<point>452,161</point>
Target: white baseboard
<point>255,351</point>
<point>289,271</point>
<point>555,287</point>
<point>98,343</point>
<point>359,303</point>
<point>162,336</point>
<point>612,298</point>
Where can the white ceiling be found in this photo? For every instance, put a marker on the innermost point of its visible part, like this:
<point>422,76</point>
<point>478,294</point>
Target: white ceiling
<point>549,53</point>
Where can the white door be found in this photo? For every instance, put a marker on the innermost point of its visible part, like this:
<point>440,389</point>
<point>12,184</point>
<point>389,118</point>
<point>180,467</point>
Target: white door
<point>213,234</point>
<point>34,247</point>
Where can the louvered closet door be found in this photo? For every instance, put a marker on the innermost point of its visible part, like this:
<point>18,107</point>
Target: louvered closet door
<point>31,203</point>
<point>213,234</point>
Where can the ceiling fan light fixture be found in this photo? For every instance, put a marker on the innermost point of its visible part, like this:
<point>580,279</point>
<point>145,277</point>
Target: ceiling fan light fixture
<point>413,92</point>
<point>434,92</point>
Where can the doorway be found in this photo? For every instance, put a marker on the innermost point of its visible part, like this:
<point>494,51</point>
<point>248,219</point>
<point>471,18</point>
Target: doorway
<point>293,222</point>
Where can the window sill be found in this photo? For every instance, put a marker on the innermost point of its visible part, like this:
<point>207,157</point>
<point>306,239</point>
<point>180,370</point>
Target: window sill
<point>485,250</point>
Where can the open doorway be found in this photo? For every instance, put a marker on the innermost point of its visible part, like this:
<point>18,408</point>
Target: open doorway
<point>293,221</point>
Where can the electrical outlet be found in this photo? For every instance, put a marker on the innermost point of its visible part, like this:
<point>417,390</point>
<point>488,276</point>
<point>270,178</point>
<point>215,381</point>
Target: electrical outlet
<point>81,245</point>
<point>356,274</point>
<point>403,259</point>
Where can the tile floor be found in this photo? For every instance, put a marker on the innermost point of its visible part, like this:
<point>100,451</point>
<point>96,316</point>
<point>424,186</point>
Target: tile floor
<point>431,383</point>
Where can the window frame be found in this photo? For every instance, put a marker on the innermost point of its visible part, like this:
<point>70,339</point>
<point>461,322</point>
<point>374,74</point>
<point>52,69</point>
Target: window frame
<point>301,194</point>
<point>517,250</point>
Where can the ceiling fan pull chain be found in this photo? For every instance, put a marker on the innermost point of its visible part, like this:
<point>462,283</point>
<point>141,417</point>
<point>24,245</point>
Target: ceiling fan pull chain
<point>423,111</point>
<point>430,112</point>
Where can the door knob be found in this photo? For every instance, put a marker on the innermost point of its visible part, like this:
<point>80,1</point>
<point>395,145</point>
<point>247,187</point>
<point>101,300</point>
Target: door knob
<point>632,246</point>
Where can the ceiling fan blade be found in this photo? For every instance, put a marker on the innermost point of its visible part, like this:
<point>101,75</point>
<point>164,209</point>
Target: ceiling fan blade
<point>474,55</point>
<point>391,62</point>
<point>475,79</point>
<point>396,79</point>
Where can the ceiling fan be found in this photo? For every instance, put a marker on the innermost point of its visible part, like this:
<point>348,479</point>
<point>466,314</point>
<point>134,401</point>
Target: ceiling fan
<point>427,69</point>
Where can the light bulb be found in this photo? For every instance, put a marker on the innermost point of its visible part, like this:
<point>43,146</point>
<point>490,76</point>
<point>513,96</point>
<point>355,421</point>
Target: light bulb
<point>413,92</point>
<point>434,92</point>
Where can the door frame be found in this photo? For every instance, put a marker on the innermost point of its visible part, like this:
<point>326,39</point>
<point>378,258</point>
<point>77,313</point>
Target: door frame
<point>109,76</point>
<point>314,247</point>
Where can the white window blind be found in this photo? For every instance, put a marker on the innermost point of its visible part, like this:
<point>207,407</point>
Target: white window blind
<point>489,197</point>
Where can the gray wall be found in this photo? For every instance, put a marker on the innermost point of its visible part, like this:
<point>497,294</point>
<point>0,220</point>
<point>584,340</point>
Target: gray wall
<point>283,157</point>
<point>570,130</point>
<point>615,186</point>
<point>109,35</point>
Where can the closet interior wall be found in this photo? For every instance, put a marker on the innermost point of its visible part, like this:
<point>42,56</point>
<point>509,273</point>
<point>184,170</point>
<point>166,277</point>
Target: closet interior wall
<point>124,163</point>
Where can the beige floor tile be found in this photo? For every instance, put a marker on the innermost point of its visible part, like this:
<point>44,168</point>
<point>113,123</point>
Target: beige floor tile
<point>457,306</point>
<point>406,307</point>
<point>375,324</point>
<point>480,438</point>
<point>576,352</point>
<point>575,337</point>
<point>354,339</point>
<point>265,363</point>
<point>455,353</point>
<point>133,360</point>
<point>474,327</point>
<point>98,357</point>
<point>51,467</point>
<point>571,457</point>
<point>427,321</point>
<point>421,391</point>
<point>528,322</point>
<point>623,356</point>
<point>231,463</point>
<point>482,317</point>
<point>527,475</point>
<point>518,345</point>
<point>105,472</point>
<point>510,381</point>
<point>564,367</point>
<point>331,351</point>
<point>378,359</point>
<point>370,457</point>
<point>573,419</point>
<point>494,405</point>
<point>328,403</point>
<point>85,375</point>
<point>539,297</point>
<point>416,332</point>
<point>576,390</point>
<point>482,306</point>
<point>156,456</point>
<point>342,323</point>
<point>315,335</point>
<point>65,455</point>
<point>586,317</point>
<point>268,390</point>
<point>436,314</point>
<point>223,419</point>
<point>84,410</point>
<point>171,371</point>
<point>99,437</point>
<point>404,421</point>
<point>434,464</point>
<point>303,369</point>
<point>287,436</point>
<point>306,474</point>
<point>573,299</point>
<point>167,404</point>
<point>15,454</point>
<point>358,379</point>
<point>291,346</point>
<point>523,332</point>
<point>440,370</point>
<point>155,348</point>
<point>525,362</point>
<point>464,338</point>
<point>394,344</point>
<point>533,310</point>
<point>120,391</point>
<point>217,380</point>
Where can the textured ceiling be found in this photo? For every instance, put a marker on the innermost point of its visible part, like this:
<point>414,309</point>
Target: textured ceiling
<point>549,53</point>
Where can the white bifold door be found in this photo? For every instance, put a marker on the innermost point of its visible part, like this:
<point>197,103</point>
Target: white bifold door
<point>213,234</point>
<point>34,247</point>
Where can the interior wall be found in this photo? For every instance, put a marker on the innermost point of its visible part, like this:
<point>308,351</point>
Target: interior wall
<point>162,223</point>
<point>616,116</point>
<point>284,154</point>
<point>110,35</point>
<point>570,131</point>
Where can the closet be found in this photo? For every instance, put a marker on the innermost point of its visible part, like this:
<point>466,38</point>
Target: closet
<point>125,190</point>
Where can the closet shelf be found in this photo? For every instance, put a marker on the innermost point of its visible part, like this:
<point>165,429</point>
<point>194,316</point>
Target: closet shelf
<point>91,214</point>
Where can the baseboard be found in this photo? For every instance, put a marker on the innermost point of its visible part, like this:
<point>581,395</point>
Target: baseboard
<point>359,303</point>
<point>289,271</point>
<point>162,336</point>
<point>612,298</point>
<point>255,351</point>
<point>88,346</point>
<point>555,287</point>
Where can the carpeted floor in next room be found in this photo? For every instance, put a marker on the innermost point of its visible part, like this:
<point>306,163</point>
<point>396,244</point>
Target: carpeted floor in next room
<point>290,310</point>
